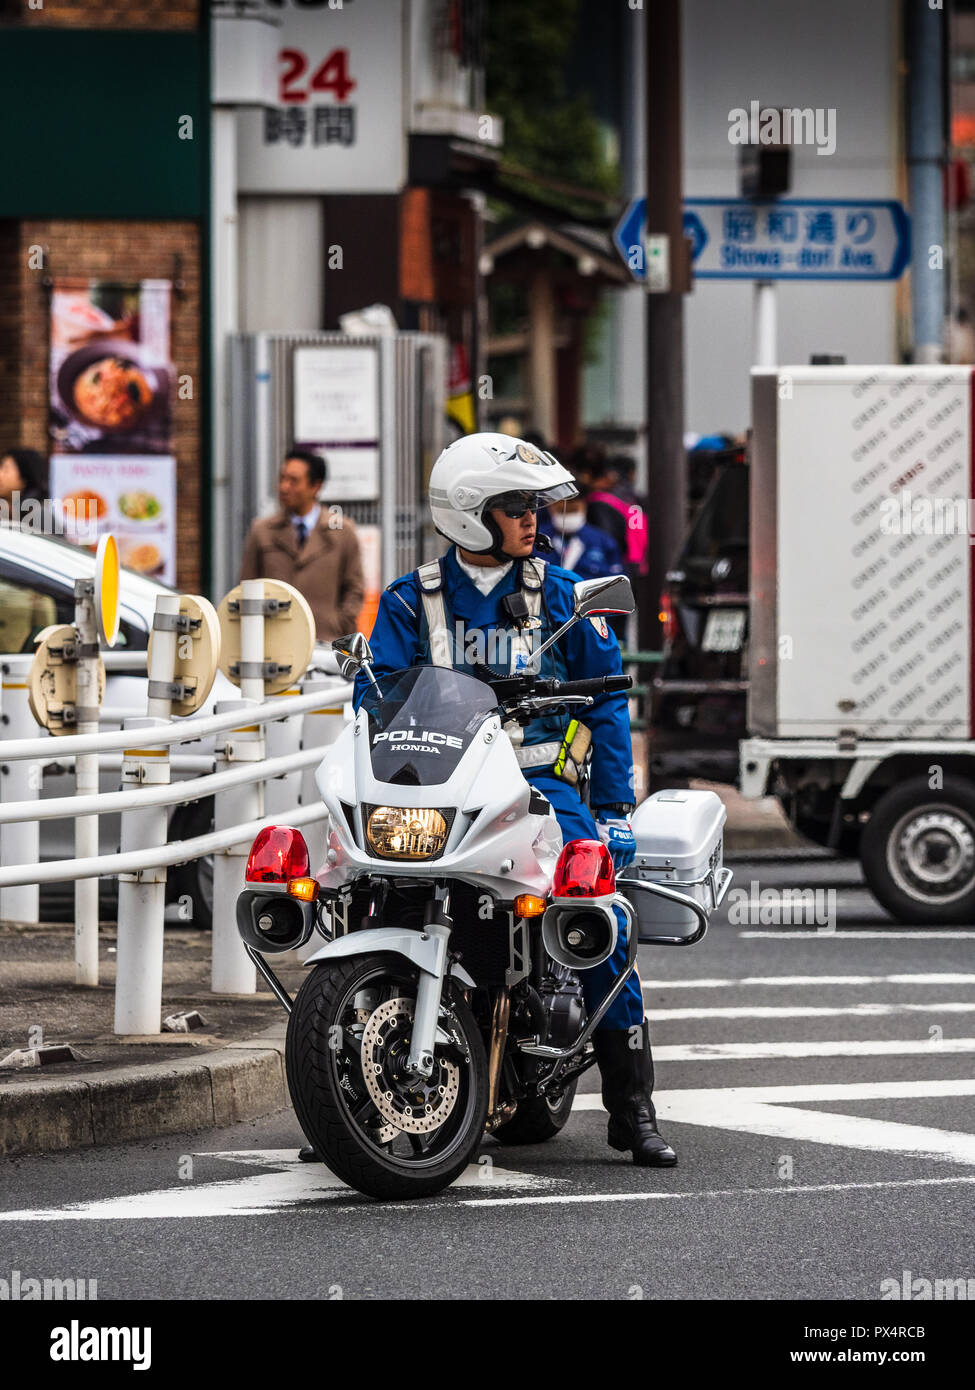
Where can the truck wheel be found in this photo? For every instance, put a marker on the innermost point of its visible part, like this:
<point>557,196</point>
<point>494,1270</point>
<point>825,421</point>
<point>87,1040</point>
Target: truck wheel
<point>918,852</point>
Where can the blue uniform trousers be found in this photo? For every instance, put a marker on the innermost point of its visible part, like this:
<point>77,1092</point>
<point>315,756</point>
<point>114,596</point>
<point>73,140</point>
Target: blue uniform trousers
<point>576,822</point>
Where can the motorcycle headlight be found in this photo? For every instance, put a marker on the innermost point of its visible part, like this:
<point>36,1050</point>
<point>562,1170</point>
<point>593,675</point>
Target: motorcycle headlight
<point>402,832</point>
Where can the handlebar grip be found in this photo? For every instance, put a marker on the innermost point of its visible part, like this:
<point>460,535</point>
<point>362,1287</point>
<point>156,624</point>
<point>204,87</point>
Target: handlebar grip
<point>599,686</point>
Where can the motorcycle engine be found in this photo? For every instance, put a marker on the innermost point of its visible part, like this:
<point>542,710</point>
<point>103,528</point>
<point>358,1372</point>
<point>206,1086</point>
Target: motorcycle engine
<point>564,1008</point>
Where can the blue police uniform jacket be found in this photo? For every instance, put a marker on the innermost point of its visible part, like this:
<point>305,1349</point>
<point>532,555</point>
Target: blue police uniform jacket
<point>481,631</point>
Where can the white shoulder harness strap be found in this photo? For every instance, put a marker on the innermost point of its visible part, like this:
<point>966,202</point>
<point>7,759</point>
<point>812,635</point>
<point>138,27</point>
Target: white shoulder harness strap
<point>523,643</point>
<point>430,577</point>
<point>431,592</point>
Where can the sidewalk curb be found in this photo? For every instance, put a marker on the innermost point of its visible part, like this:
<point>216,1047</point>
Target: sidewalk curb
<point>238,1082</point>
<point>739,840</point>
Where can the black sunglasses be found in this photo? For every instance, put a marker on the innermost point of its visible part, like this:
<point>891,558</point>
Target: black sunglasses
<point>514,504</point>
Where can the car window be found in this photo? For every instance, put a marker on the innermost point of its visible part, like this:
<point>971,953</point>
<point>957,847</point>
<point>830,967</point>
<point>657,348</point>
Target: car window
<point>30,601</point>
<point>23,613</point>
<point>722,521</point>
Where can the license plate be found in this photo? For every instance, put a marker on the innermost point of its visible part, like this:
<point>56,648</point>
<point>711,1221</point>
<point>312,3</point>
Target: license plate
<point>724,630</point>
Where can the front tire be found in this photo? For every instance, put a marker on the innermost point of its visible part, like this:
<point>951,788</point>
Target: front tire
<point>380,1135</point>
<point>918,852</point>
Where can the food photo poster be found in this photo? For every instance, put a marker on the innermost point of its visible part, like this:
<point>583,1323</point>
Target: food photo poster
<point>134,498</point>
<point>111,387</point>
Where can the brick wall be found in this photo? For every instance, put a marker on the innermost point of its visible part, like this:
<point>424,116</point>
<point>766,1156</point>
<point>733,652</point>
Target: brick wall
<point>103,250</point>
<point>108,14</point>
<point>10,334</point>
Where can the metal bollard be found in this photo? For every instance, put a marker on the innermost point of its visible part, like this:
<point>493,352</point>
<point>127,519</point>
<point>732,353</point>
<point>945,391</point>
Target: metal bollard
<point>20,780</point>
<point>283,736</point>
<point>252,639</point>
<point>321,727</point>
<point>86,784</point>
<point>141,896</point>
<point>232,971</point>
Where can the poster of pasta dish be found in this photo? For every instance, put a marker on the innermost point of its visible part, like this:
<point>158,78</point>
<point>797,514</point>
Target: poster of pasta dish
<point>111,391</point>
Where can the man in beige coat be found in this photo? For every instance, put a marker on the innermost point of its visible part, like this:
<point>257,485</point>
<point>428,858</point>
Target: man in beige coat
<point>306,545</point>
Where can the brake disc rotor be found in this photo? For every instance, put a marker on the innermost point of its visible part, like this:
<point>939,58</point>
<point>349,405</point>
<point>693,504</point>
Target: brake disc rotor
<point>416,1105</point>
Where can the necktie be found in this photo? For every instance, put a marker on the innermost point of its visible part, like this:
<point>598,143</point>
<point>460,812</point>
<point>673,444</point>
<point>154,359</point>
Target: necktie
<point>302,531</point>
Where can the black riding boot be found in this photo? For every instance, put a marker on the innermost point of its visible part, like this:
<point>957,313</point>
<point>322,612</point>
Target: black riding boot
<point>627,1075</point>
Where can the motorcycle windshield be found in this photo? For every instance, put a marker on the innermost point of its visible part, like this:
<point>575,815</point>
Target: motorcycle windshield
<point>421,721</point>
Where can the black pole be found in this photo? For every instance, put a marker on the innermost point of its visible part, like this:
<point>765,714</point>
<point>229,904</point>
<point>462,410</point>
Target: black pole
<point>667,466</point>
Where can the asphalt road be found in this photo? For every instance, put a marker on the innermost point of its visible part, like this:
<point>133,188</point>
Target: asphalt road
<point>816,1083</point>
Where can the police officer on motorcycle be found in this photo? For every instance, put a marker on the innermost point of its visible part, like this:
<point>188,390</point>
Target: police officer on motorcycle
<point>489,602</point>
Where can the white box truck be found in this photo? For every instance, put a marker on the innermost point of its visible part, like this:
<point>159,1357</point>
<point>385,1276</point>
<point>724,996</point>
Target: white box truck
<point>861,713</point>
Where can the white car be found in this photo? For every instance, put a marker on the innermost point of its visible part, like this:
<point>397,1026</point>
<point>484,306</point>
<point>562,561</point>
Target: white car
<point>37,577</point>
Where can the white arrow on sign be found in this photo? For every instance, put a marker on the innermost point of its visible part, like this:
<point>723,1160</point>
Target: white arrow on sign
<point>292,1184</point>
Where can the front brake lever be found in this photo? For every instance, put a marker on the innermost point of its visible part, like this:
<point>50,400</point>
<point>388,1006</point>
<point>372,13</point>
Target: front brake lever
<point>556,703</point>
<point>524,711</point>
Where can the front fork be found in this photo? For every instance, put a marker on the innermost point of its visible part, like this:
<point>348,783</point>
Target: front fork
<point>429,990</point>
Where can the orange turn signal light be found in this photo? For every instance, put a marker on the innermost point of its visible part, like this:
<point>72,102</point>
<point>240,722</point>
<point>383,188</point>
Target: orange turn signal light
<point>304,888</point>
<point>528,905</point>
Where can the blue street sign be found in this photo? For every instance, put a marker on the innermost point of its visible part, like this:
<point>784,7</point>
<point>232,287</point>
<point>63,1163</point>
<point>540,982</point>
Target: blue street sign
<point>786,239</point>
<point>628,237</point>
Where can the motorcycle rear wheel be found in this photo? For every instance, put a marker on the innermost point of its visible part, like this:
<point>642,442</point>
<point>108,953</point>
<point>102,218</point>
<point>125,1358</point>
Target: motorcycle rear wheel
<point>538,1119</point>
<point>338,1110</point>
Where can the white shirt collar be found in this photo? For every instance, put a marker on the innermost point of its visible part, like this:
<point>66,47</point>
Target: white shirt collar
<point>310,520</point>
<point>485,577</point>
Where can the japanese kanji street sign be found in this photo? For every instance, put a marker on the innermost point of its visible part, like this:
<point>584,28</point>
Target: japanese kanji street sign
<point>785,239</point>
<point>336,124</point>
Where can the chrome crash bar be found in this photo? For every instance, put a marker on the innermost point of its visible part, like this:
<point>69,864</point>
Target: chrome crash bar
<point>703,914</point>
<point>558,1054</point>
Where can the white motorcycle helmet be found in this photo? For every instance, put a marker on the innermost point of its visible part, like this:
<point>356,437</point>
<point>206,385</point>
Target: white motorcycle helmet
<point>476,472</point>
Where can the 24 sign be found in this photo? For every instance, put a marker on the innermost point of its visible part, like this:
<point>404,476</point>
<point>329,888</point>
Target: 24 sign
<point>331,75</point>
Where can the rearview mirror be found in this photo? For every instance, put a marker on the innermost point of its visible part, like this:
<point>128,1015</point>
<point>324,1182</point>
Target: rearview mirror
<point>611,594</point>
<point>353,652</point>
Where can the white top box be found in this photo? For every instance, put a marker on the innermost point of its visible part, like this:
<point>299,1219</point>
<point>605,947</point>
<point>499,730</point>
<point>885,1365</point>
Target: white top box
<point>678,829</point>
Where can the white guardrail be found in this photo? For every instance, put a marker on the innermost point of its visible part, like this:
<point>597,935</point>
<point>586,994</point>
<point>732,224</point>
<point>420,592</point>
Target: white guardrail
<point>261,772</point>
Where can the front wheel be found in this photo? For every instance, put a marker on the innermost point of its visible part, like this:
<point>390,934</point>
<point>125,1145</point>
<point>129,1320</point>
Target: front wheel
<point>918,852</point>
<point>380,1129</point>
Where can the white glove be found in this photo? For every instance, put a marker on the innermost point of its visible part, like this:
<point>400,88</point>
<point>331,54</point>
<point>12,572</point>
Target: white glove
<point>616,833</point>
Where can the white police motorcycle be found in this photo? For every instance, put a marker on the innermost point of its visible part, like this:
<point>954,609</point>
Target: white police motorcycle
<point>446,999</point>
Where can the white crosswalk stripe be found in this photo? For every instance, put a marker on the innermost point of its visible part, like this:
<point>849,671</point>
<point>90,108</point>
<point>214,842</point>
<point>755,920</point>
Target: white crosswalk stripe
<point>770,1011</point>
<point>864,934</point>
<point>814,981</point>
<point>789,1111</point>
<point>290,1185</point>
<point>852,1047</point>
